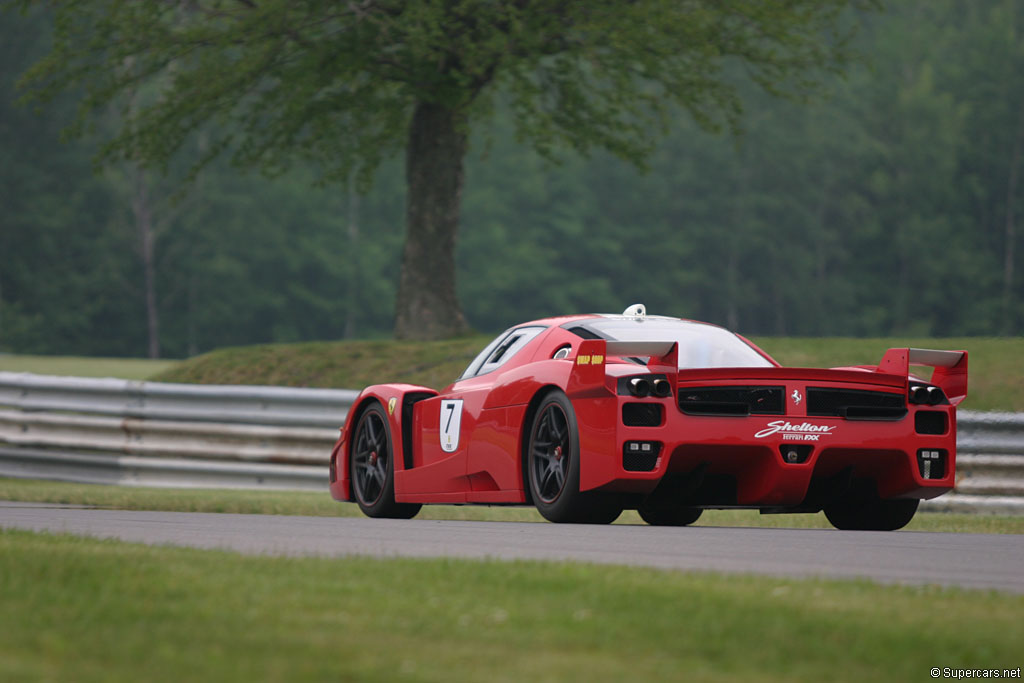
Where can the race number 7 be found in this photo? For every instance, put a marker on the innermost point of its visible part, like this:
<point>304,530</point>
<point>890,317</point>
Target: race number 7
<point>451,421</point>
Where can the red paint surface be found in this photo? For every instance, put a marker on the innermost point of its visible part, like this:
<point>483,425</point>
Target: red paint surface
<point>487,465</point>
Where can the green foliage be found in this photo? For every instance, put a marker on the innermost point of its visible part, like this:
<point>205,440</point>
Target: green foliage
<point>880,210</point>
<point>334,85</point>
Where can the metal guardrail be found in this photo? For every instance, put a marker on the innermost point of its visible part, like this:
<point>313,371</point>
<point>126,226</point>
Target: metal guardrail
<point>116,431</point>
<point>155,434</point>
<point>161,401</point>
<point>989,465</point>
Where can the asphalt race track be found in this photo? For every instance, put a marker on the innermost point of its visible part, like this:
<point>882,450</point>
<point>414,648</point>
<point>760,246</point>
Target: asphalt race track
<point>966,560</point>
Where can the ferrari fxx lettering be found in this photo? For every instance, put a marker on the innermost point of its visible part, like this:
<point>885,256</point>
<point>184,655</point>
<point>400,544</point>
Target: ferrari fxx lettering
<point>451,423</point>
<point>583,360</point>
<point>805,431</point>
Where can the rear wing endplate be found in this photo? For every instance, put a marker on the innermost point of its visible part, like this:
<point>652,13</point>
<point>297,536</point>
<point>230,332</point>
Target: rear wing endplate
<point>950,368</point>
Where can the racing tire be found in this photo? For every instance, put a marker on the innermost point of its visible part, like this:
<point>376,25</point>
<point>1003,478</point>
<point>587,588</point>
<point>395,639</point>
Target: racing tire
<point>600,511</point>
<point>372,467</point>
<point>553,466</point>
<point>871,514</point>
<point>668,515</point>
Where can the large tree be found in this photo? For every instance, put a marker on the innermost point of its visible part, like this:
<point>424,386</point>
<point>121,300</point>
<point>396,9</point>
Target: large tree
<point>346,84</point>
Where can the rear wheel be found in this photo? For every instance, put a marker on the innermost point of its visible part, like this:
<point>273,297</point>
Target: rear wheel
<point>668,515</point>
<point>600,511</point>
<point>868,513</point>
<point>372,467</point>
<point>553,467</point>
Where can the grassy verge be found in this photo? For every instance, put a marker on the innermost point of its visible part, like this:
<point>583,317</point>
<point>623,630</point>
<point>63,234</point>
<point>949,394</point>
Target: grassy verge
<point>122,368</point>
<point>91,610</point>
<point>343,365</point>
<point>321,505</point>
<point>996,364</point>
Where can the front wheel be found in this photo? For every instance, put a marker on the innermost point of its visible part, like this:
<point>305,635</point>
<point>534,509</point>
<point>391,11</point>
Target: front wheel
<point>372,467</point>
<point>553,467</point>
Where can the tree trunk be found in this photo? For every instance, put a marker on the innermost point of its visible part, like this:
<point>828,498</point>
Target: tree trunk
<point>1009,251</point>
<point>355,272</point>
<point>143,210</point>
<point>427,306</point>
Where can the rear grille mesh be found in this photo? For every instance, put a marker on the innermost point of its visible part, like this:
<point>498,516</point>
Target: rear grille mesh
<point>639,460</point>
<point>741,400</point>
<point>855,404</point>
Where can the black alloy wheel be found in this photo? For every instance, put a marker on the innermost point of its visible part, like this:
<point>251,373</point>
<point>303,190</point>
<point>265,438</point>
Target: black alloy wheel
<point>553,467</point>
<point>550,453</point>
<point>372,467</point>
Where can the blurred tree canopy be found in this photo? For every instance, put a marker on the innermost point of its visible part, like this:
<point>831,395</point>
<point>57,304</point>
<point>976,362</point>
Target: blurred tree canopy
<point>888,207</point>
<point>341,86</point>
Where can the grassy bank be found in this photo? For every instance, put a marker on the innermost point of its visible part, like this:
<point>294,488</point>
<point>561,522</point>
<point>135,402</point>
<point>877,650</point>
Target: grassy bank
<point>91,610</point>
<point>343,365</point>
<point>321,505</point>
<point>78,366</point>
<point>996,364</point>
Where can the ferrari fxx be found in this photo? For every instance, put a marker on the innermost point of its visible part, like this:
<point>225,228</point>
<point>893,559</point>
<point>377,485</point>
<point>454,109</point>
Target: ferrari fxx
<point>584,416</point>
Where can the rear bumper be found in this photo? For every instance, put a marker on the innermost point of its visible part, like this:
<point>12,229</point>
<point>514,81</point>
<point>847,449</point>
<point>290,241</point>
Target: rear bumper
<point>742,460</point>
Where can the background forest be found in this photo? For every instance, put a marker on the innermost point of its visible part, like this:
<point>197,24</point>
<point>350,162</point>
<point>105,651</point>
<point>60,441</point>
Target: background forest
<point>888,206</point>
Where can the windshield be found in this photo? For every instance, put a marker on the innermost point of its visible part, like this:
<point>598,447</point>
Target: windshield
<point>700,345</point>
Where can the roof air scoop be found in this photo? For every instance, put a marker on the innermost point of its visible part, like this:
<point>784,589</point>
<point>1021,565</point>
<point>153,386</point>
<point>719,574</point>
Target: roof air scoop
<point>636,311</point>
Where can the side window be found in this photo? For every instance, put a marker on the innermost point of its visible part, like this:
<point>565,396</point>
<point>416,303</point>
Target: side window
<point>499,351</point>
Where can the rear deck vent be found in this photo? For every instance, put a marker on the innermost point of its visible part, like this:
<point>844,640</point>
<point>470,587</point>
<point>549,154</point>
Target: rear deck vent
<point>854,404</point>
<point>733,400</point>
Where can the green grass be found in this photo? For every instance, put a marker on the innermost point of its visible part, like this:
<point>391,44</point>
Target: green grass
<point>77,609</point>
<point>321,505</point>
<point>344,365</point>
<point>996,364</point>
<point>122,368</point>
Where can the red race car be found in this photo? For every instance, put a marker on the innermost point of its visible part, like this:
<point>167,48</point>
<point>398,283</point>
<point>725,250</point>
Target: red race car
<point>584,416</point>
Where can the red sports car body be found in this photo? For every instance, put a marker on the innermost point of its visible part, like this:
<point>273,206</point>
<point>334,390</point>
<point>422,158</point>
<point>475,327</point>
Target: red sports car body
<point>584,416</point>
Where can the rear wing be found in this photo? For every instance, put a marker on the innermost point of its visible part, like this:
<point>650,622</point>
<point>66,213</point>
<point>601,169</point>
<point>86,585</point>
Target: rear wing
<point>588,366</point>
<point>950,368</point>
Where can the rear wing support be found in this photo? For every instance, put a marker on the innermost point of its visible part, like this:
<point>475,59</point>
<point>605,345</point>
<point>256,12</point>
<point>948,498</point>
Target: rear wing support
<point>588,366</point>
<point>950,368</point>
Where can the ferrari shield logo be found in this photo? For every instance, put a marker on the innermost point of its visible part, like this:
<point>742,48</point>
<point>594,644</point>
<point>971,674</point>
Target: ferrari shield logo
<point>451,421</point>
